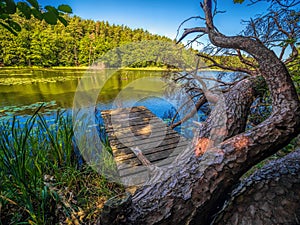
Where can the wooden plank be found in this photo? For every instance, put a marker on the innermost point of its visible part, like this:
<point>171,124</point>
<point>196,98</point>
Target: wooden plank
<point>132,162</point>
<point>148,147</point>
<point>126,153</point>
<point>118,125</point>
<point>145,143</point>
<point>141,133</point>
<point>139,140</point>
<point>139,127</point>
<point>152,158</point>
<point>120,110</point>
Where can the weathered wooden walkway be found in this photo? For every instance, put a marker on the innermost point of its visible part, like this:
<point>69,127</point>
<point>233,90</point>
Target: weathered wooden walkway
<point>138,127</point>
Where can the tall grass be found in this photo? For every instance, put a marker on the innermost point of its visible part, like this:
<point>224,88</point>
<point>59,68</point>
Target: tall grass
<point>42,180</point>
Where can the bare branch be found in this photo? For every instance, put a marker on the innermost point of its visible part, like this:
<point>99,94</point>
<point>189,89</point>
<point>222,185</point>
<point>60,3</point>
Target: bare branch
<point>293,56</point>
<point>194,40</point>
<point>282,52</point>
<point>245,61</point>
<point>139,154</point>
<point>224,67</point>
<point>198,105</point>
<point>192,30</point>
<point>287,5</point>
<point>291,4</point>
<point>182,106</point>
<point>188,19</point>
<point>207,8</point>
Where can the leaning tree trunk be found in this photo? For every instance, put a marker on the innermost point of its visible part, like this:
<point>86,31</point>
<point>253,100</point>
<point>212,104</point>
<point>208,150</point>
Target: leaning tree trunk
<point>229,116</point>
<point>197,186</point>
<point>269,196</point>
<point>238,99</point>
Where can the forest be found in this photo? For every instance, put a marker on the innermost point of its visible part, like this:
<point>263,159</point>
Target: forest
<point>79,44</point>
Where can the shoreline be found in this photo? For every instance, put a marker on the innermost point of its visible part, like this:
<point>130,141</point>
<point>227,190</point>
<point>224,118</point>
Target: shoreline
<point>27,75</point>
<point>8,68</point>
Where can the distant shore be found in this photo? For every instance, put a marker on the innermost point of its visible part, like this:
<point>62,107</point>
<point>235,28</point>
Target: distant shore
<point>88,67</point>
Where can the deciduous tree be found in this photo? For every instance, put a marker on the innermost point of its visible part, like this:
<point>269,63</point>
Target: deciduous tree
<point>29,8</point>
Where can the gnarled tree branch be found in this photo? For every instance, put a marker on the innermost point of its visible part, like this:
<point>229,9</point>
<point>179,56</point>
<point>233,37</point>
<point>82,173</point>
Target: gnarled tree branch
<point>196,187</point>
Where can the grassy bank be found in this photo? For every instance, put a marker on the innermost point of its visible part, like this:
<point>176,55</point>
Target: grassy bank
<point>43,179</point>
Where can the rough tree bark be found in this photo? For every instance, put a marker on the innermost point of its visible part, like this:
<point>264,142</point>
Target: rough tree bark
<point>269,196</point>
<point>229,117</point>
<point>197,185</point>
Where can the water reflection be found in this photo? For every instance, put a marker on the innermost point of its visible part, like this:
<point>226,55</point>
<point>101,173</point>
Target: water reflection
<point>59,86</point>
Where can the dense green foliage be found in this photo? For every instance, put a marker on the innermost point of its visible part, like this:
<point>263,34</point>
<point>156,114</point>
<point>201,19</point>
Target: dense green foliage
<point>294,68</point>
<point>78,44</point>
<point>29,8</point>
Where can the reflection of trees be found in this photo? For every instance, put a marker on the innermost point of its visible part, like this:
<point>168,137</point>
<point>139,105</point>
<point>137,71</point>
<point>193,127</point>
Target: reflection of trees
<point>149,53</point>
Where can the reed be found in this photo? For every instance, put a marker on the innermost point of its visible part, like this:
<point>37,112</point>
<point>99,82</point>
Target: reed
<point>41,179</point>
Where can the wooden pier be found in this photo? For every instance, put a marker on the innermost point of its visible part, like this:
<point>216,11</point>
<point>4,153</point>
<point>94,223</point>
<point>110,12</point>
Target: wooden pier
<point>138,128</point>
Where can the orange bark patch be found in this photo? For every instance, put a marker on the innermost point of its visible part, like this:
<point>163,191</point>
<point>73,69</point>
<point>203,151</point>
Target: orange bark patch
<point>201,146</point>
<point>241,143</point>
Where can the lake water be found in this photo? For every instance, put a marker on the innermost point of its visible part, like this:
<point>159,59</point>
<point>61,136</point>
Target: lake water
<point>22,91</point>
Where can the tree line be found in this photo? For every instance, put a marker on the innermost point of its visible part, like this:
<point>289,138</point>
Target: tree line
<point>78,44</point>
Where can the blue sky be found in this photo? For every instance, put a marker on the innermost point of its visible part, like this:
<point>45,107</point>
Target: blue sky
<point>159,16</point>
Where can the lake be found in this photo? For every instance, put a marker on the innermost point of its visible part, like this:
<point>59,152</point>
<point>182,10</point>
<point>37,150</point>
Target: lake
<point>85,92</point>
<point>22,91</point>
